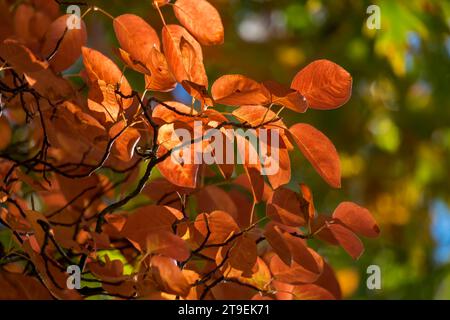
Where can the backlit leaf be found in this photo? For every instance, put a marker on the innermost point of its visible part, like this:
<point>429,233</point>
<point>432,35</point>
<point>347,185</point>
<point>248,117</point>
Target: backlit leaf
<point>319,151</point>
<point>194,15</point>
<point>236,90</point>
<point>324,84</point>
<point>357,219</point>
<point>68,51</point>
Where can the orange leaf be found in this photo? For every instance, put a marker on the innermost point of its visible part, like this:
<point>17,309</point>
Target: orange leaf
<point>242,254</point>
<point>80,135</point>
<point>184,55</point>
<point>194,15</point>
<point>357,219</point>
<point>178,112</point>
<point>284,207</point>
<point>168,276</point>
<point>275,160</point>
<point>326,287</point>
<point>136,36</point>
<point>346,239</point>
<point>308,200</point>
<point>176,170</point>
<point>256,115</point>
<point>20,57</point>
<point>21,287</point>
<point>109,271</point>
<point>303,255</point>
<point>324,84</point>
<point>296,273</point>
<point>167,244</point>
<point>160,78</point>
<point>123,147</point>
<point>220,223</point>
<point>213,198</point>
<point>236,90</point>
<point>284,96</point>
<point>104,78</point>
<point>5,133</point>
<point>319,151</point>
<point>274,237</point>
<point>148,220</point>
<point>69,49</point>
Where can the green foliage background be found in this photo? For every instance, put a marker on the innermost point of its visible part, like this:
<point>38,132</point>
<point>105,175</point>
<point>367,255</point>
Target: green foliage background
<point>393,136</point>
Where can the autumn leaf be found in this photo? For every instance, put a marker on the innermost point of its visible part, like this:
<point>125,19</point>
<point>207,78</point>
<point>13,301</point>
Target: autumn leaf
<point>148,220</point>
<point>184,55</point>
<point>105,174</point>
<point>6,133</point>
<point>220,224</point>
<point>168,244</point>
<point>168,276</point>
<point>179,168</point>
<point>104,78</point>
<point>136,37</point>
<point>22,287</point>
<point>194,15</point>
<point>276,240</point>
<point>289,98</point>
<point>297,273</point>
<point>236,90</point>
<point>20,57</point>
<point>284,207</point>
<point>347,240</point>
<point>62,46</point>
<point>160,77</point>
<point>319,151</point>
<point>357,219</point>
<point>324,84</point>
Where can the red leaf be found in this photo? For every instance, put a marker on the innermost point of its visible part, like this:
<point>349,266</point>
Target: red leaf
<point>296,273</point>
<point>357,219</point>
<point>147,220</point>
<point>319,151</point>
<point>324,84</point>
<point>236,90</point>
<point>167,244</point>
<point>168,276</point>
<point>276,240</point>
<point>127,139</point>
<point>308,199</point>
<point>284,207</point>
<point>256,115</point>
<point>20,57</point>
<point>284,96</point>
<point>21,287</point>
<point>347,240</point>
<point>242,254</point>
<point>220,223</point>
<point>104,78</point>
<point>69,49</point>
<point>5,133</point>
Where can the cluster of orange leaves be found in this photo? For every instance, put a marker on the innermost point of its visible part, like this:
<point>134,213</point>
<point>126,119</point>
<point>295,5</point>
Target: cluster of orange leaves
<point>68,163</point>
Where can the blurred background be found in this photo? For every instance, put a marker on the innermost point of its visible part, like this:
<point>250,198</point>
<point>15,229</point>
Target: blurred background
<point>393,136</point>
